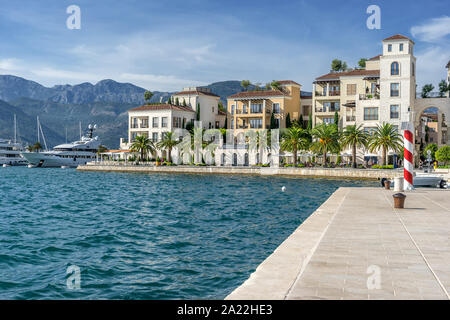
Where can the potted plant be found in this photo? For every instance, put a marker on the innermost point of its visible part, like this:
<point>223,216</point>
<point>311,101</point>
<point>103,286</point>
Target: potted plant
<point>158,161</point>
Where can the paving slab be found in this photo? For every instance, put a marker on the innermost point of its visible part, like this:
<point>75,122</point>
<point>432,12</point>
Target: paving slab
<point>357,246</point>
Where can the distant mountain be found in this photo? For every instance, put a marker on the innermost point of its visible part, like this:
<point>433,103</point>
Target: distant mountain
<point>26,126</point>
<point>61,107</point>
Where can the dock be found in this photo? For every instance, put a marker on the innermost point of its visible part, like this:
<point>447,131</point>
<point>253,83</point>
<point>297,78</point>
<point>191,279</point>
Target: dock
<point>357,246</point>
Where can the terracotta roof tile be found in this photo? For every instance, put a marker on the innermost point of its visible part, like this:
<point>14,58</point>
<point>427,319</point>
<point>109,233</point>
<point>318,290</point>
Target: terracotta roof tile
<point>288,82</point>
<point>337,75</point>
<point>375,58</point>
<point>151,107</point>
<point>221,113</point>
<point>398,37</point>
<point>261,93</point>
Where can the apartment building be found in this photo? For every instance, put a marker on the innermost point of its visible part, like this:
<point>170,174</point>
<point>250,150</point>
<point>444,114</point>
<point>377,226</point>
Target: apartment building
<point>253,109</point>
<point>200,98</point>
<point>385,91</point>
<point>154,120</point>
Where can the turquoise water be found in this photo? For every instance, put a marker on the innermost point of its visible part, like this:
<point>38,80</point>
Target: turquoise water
<point>138,236</point>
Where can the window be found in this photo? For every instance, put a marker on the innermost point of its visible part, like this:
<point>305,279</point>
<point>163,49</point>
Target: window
<point>176,122</point>
<point>351,89</point>
<point>373,87</point>
<point>232,123</point>
<point>328,120</point>
<point>395,92</point>
<point>212,109</point>
<point>394,111</point>
<point>155,136</point>
<point>164,122</point>
<point>401,47</point>
<point>371,113</point>
<point>232,109</point>
<point>394,69</point>
<point>256,108</point>
<point>244,108</point>
<point>217,125</point>
<point>389,47</point>
<point>413,69</point>
<point>144,123</point>
<point>134,123</point>
<point>155,122</point>
<point>276,108</point>
<point>256,123</point>
<point>369,130</point>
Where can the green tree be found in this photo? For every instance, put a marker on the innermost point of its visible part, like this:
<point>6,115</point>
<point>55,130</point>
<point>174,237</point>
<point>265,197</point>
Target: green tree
<point>184,103</point>
<point>169,100</point>
<point>338,65</point>
<point>275,85</point>
<point>198,112</point>
<point>385,137</point>
<point>426,89</point>
<point>177,101</point>
<point>354,137</point>
<point>245,84</point>
<point>273,125</point>
<point>37,147</point>
<point>221,107</point>
<point>101,149</point>
<point>443,88</point>
<point>326,140</point>
<point>148,96</point>
<point>143,145</point>
<point>288,121</point>
<point>168,143</point>
<point>301,122</point>
<point>293,140</point>
<point>336,118</point>
<point>30,148</point>
<point>433,148</point>
<point>362,62</point>
<point>309,127</point>
<point>443,154</point>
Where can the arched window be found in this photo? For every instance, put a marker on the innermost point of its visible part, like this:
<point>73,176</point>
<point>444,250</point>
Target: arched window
<point>394,69</point>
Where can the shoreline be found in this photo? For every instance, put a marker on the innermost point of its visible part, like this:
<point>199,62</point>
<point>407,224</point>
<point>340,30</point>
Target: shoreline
<point>337,173</point>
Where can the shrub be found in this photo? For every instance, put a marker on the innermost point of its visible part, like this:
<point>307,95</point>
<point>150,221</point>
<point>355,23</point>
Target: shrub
<point>377,166</point>
<point>443,154</point>
<point>433,148</point>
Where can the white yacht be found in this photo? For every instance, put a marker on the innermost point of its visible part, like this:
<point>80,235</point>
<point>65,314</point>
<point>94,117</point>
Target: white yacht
<point>68,154</point>
<point>10,153</point>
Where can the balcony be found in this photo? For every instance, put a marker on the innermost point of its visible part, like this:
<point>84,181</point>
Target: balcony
<point>323,109</point>
<point>134,126</point>
<point>350,118</point>
<point>369,96</point>
<point>335,93</point>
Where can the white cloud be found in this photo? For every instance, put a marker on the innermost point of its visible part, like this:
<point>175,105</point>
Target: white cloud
<point>433,30</point>
<point>431,64</point>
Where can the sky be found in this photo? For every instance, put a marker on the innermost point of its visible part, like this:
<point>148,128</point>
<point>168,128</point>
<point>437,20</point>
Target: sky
<point>166,45</point>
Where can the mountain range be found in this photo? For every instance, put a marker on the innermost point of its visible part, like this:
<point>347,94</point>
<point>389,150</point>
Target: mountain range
<point>62,107</point>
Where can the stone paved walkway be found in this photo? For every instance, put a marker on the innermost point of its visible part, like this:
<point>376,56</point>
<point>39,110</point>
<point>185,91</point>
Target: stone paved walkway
<point>407,250</point>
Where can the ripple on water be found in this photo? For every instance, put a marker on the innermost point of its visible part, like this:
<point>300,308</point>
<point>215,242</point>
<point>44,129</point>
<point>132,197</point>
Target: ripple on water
<point>139,236</point>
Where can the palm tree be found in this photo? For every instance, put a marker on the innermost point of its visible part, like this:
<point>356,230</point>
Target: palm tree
<point>354,137</point>
<point>168,142</point>
<point>30,148</point>
<point>276,85</point>
<point>37,146</point>
<point>385,137</point>
<point>294,139</point>
<point>143,145</point>
<point>327,139</point>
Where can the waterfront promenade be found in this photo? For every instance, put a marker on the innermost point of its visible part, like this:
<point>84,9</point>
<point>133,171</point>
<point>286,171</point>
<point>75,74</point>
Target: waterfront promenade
<point>357,246</point>
<point>318,172</point>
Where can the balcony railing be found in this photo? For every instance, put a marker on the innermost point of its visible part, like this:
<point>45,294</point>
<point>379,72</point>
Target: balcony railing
<point>332,109</point>
<point>369,96</point>
<point>134,126</point>
<point>335,93</point>
<point>350,118</point>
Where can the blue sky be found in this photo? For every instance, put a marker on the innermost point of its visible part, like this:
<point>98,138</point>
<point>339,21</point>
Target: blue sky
<point>165,45</point>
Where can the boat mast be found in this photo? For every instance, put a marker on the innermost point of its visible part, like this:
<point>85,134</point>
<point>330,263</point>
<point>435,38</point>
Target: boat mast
<point>15,129</point>
<point>38,125</point>
<point>80,130</point>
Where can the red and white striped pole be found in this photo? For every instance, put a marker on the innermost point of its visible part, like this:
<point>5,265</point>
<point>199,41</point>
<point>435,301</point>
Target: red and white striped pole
<point>408,170</point>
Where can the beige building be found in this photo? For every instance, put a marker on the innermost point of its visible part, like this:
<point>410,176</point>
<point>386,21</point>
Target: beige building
<point>253,109</point>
